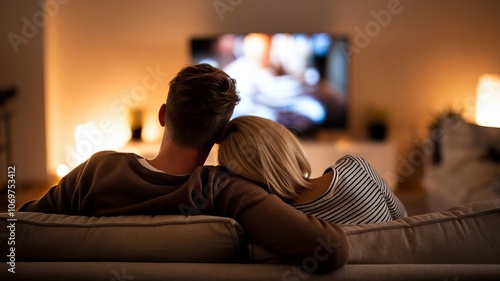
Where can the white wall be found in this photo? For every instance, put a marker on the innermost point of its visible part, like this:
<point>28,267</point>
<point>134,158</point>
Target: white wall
<point>429,55</point>
<point>21,65</point>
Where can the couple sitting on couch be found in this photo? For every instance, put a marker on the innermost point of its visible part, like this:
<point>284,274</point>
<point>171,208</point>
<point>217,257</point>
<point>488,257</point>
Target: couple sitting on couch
<point>199,105</point>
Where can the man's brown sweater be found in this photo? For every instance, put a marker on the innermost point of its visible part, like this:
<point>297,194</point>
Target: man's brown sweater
<point>114,183</point>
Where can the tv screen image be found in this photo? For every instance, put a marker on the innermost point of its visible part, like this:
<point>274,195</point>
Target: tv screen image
<point>298,80</point>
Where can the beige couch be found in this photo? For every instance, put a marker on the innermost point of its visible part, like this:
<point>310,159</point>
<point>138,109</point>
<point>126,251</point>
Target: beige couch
<point>460,244</point>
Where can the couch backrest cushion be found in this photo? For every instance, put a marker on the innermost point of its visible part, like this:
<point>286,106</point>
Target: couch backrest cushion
<point>163,238</point>
<point>465,234</point>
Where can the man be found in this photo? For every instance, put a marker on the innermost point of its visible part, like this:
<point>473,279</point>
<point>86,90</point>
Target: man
<point>199,105</point>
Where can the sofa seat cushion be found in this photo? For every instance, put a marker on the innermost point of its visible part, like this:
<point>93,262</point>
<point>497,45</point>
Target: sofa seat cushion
<point>467,234</point>
<point>162,238</point>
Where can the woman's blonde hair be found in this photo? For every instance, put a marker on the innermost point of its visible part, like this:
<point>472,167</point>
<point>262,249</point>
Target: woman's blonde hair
<point>265,152</point>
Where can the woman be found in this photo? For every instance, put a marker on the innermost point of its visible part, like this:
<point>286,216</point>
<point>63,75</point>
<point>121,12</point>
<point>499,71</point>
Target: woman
<point>349,192</point>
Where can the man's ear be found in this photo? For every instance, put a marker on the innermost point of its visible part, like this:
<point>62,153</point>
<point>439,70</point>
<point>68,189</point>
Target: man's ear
<point>161,114</point>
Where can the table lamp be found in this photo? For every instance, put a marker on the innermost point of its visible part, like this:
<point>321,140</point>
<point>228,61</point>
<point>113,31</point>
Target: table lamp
<point>488,101</point>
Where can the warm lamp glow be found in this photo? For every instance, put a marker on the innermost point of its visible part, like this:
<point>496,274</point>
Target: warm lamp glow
<point>91,138</point>
<point>488,101</point>
<point>62,170</point>
<point>152,131</point>
<point>343,144</point>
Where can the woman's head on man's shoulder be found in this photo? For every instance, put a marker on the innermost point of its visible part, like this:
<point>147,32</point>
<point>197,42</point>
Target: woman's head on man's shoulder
<point>267,153</point>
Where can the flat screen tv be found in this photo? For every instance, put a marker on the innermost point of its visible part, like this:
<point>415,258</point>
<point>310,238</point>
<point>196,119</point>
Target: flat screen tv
<point>299,80</point>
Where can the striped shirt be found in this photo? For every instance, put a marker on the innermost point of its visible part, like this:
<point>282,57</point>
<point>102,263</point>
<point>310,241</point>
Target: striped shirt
<point>357,195</point>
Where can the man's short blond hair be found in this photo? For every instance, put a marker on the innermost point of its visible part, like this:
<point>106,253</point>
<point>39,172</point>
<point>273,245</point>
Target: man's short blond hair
<point>267,153</point>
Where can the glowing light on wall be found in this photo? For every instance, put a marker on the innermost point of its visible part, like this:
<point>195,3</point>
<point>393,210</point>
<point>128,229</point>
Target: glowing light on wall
<point>488,101</point>
<point>62,170</point>
<point>152,130</point>
<point>91,138</point>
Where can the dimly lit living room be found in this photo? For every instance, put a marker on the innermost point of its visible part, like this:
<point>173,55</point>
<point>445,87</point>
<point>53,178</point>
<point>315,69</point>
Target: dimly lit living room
<point>413,87</point>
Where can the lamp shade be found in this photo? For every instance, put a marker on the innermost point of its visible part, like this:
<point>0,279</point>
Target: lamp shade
<point>488,101</point>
